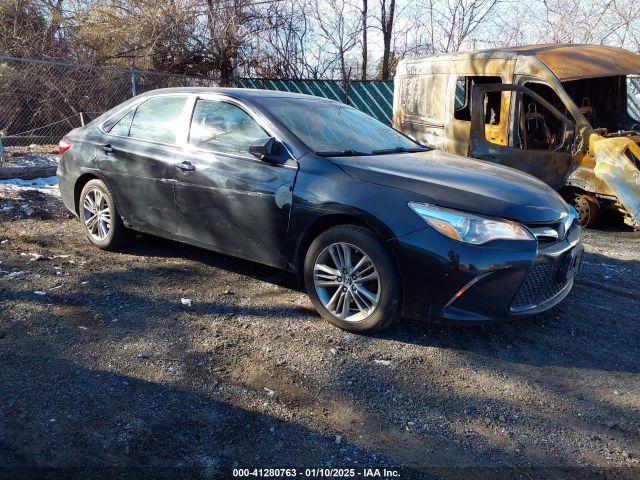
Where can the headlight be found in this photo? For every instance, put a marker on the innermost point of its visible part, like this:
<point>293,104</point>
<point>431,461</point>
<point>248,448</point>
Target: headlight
<point>467,227</point>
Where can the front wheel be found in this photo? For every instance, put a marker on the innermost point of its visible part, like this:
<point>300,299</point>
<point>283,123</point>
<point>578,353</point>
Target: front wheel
<point>352,279</point>
<point>588,209</point>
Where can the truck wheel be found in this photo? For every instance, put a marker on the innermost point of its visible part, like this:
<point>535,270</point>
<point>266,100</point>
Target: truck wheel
<point>588,209</point>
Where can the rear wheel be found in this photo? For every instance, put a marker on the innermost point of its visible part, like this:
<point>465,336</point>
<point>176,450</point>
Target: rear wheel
<point>352,279</point>
<point>99,216</point>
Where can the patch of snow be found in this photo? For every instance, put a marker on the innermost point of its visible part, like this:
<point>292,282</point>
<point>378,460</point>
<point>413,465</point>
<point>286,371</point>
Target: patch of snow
<point>15,274</point>
<point>386,363</point>
<point>34,256</point>
<point>30,160</point>
<point>47,185</point>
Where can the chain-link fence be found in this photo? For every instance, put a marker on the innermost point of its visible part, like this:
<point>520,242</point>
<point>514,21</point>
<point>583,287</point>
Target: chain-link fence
<point>41,101</point>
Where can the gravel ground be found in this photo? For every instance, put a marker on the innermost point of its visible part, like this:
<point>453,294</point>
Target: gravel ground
<point>104,367</point>
<point>31,155</point>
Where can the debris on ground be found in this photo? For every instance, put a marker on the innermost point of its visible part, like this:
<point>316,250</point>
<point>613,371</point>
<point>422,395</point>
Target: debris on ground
<point>133,378</point>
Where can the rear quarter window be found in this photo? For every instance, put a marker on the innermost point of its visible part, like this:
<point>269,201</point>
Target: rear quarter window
<point>122,127</point>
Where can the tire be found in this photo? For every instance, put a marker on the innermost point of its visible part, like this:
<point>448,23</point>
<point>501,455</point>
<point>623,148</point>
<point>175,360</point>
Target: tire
<point>108,233</point>
<point>588,209</point>
<point>371,303</point>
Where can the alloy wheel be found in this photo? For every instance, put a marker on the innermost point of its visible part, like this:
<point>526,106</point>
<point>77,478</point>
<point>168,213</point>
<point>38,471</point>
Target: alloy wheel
<point>96,214</point>
<point>346,281</point>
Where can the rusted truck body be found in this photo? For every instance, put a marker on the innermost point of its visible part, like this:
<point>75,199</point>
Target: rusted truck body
<point>563,113</point>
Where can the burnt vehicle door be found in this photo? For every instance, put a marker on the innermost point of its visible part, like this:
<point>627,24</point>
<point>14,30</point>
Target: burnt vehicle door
<point>541,138</point>
<point>228,199</point>
<point>137,154</point>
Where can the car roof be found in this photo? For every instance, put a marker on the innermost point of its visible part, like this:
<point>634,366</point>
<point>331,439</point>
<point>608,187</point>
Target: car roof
<point>238,93</point>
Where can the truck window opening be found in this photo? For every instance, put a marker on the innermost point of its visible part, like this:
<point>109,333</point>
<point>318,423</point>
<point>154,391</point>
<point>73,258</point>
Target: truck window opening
<point>603,101</point>
<point>539,129</point>
<point>462,105</point>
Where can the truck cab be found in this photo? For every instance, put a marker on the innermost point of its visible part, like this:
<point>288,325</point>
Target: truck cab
<point>567,114</point>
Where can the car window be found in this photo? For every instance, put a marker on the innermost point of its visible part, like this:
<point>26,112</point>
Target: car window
<point>158,119</point>
<point>223,127</point>
<point>122,126</point>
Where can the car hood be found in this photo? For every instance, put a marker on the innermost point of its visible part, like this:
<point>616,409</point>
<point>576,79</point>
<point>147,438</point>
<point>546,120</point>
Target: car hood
<point>457,182</point>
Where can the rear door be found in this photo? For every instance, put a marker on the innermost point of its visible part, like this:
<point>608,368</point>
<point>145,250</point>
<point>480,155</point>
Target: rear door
<point>138,157</point>
<point>540,141</point>
<point>227,199</point>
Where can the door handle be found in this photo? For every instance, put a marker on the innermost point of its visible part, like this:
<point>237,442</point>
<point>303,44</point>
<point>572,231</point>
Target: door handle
<point>186,166</point>
<point>107,148</point>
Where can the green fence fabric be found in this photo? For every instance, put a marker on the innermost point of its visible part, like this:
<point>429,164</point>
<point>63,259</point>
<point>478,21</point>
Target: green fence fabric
<point>372,97</point>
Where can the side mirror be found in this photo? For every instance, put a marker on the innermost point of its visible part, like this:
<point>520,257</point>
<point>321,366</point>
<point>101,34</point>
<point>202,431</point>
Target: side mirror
<point>268,150</point>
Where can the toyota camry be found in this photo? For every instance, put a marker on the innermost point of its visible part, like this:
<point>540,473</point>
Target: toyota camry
<point>375,225</point>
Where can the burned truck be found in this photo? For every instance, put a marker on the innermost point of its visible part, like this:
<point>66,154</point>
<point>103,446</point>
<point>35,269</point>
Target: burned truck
<point>567,114</point>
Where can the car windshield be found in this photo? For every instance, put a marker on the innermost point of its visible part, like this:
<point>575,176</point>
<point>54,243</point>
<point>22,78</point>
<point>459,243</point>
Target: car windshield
<point>333,129</point>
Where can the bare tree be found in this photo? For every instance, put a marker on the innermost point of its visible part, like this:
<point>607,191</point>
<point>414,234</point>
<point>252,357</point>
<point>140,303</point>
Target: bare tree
<point>281,49</point>
<point>365,52</point>
<point>387,12</point>
<point>33,28</point>
<point>609,22</point>
<point>339,27</point>
<point>454,21</point>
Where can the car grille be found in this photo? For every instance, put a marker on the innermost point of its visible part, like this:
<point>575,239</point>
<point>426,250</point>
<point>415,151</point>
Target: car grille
<point>539,287</point>
<point>543,283</point>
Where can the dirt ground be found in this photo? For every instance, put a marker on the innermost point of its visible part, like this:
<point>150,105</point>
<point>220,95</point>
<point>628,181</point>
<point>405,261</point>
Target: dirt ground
<point>103,369</point>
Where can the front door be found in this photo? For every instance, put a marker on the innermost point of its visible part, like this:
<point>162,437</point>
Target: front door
<point>540,141</point>
<point>227,199</point>
<point>138,156</point>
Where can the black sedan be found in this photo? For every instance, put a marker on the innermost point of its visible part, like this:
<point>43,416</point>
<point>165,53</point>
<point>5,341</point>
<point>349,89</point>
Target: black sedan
<point>376,225</point>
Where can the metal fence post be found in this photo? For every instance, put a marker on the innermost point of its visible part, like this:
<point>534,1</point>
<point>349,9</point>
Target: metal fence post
<point>3,155</point>
<point>346,88</point>
<point>234,72</point>
<point>134,86</point>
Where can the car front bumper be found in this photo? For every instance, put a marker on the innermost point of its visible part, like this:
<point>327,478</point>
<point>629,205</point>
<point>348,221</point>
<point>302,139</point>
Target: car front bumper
<point>456,282</point>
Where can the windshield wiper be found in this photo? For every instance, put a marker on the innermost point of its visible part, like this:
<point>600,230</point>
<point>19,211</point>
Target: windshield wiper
<point>342,153</point>
<point>400,150</point>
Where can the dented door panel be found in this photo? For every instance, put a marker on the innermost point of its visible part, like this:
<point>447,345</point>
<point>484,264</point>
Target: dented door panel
<point>236,205</point>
